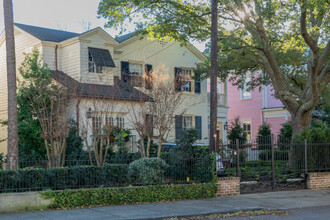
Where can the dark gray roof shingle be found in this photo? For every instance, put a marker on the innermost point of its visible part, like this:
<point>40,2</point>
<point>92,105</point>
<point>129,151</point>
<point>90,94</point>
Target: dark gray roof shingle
<point>128,36</point>
<point>119,91</point>
<point>46,34</point>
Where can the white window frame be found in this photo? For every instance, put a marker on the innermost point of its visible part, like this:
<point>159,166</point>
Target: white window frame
<point>184,117</point>
<point>188,79</point>
<point>134,76</point>
<point>247,121</point>
<point>91,65</point>
<point>246,95</point>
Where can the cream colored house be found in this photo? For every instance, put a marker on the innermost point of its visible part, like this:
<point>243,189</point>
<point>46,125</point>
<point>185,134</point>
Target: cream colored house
<point>108,73</point>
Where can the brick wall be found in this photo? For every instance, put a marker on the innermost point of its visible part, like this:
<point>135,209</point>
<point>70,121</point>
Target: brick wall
<point>228,186</point>
<point>318,180</point>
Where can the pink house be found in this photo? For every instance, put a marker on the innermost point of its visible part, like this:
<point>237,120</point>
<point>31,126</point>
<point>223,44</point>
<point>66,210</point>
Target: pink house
<point>254,107</point>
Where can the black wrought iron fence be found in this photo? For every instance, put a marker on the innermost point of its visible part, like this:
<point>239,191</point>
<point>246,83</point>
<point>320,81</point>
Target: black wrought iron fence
<point>273,160</point>
<point>36,173</point>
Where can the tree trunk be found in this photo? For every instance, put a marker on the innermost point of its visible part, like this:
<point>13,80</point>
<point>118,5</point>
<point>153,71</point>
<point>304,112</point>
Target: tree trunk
<point>142,151</point>
<point>300,120</point>
<point>12,146</point>
<point>148,147</point>
<point>213,75</point>
<point>159,147</point>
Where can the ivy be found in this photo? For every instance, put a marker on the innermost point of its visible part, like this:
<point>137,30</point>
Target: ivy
<point>129,195</point>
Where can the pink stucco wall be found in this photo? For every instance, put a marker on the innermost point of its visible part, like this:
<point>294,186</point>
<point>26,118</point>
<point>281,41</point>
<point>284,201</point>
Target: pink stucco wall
<point>276,124</point>
<point>252,108</point>
<point>272,102</point>
<point>246,109</point>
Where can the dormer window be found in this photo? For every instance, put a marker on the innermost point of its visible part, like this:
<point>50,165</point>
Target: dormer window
<point>98,59</point>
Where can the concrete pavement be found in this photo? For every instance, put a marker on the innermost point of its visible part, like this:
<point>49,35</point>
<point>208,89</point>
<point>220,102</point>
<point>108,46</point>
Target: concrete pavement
<point>273,200</point>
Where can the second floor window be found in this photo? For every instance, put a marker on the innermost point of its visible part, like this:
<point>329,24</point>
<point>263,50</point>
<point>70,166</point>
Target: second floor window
<point>133,74</point>
<point>246,93</point>
<point>92,67</point>
<point>98,59</point>
<point>185,82</point>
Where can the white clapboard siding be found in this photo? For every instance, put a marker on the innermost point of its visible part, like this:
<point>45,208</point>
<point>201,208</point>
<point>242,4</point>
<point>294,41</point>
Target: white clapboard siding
<point>23,43</point>
<point>106,78</point>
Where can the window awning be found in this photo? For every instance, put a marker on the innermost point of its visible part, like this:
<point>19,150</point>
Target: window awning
<point>101,57</point>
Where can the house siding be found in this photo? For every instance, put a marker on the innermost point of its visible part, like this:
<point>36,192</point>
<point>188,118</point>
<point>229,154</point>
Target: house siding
<point>23,43</point>
<point>107,77</point>
<point>272,102</point>
<point>262,107</point>
<point>70,60</point>
<point>164,58</point>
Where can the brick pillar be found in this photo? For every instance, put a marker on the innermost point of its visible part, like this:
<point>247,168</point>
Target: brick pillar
<point>318,180</point>
<point>228,186</point>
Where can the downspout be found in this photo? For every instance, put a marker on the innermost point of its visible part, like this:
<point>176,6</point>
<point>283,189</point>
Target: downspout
<point>78,114</point>
<point>56,65</point>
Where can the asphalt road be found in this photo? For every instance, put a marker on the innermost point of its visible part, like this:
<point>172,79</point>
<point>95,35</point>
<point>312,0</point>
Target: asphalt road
<point>302,204</point>
<point>317,213</point>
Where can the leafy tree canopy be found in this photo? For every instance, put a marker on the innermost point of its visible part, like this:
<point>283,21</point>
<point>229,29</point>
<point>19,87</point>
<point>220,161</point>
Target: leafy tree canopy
<point>285,43</point>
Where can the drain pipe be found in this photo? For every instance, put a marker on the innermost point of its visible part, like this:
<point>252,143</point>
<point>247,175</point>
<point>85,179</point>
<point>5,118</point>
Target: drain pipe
<point>56,65</point>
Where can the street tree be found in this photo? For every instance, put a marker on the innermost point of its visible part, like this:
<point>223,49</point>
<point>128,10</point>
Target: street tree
<point>12,144</point>
<point>287,40</point>
<point>49,102</point>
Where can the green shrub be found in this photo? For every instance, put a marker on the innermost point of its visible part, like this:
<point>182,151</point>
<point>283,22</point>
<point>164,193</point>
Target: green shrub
<point>264,138</point>
<point>236,132</point>
<point>63,177</point>
<point>129,195</point>
<point>200,168</point>
<point>278,155</point>
<point>147,171</point>
<point>318,132</point>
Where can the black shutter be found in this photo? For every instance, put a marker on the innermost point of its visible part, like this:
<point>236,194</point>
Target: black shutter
<point>124,71</point>
<point>101,57</point>
<point>148,68</point>
<point>197,86</point>
<point>178,126</point>
<point>198,126</point>
<point>177,78</point>
<point>149,123</point>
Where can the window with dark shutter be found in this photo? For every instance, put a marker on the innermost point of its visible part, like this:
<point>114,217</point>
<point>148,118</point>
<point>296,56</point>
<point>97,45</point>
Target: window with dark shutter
<point>124,71</point>
<point>184,81</point>
<point>178,126</point>
<point>148,79</point>
<point>177,78</point>
<point>98,59</point>
<point>197,86</point>
<point>198,126</point>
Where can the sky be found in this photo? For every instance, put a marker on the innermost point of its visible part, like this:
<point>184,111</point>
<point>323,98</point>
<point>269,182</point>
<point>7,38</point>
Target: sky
<point>68,15</point>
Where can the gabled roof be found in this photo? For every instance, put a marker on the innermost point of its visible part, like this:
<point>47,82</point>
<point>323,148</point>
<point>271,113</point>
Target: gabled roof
<point>46,34</point>
<point>134,36</point>
<point>125,37</point>
<point>119,91</point>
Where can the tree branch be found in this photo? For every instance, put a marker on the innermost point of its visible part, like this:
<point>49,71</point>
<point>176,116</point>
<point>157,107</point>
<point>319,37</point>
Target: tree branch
<point>304,33</point>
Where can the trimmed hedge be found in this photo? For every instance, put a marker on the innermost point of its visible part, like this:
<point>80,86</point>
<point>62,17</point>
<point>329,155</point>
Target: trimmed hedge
<point>129,195</point>
<point>63,177</point>
<point>200,169</point>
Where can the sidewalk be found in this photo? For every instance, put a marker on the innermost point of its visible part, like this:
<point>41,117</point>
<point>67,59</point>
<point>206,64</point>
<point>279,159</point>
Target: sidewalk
<point>272,200</point>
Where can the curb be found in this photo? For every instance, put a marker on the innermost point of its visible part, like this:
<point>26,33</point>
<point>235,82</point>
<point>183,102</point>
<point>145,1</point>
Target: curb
<point>18,202</point>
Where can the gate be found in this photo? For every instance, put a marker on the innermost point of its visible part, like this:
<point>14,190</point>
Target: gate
<point>268,165</point>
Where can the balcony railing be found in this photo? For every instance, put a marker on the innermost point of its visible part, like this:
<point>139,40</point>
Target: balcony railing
<point>220,98</point>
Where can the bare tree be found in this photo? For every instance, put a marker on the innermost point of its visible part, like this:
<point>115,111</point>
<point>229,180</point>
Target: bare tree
<point>141,121</point>
<point>102,127</point>
<point>166,103</point>
<point>12,146</point>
